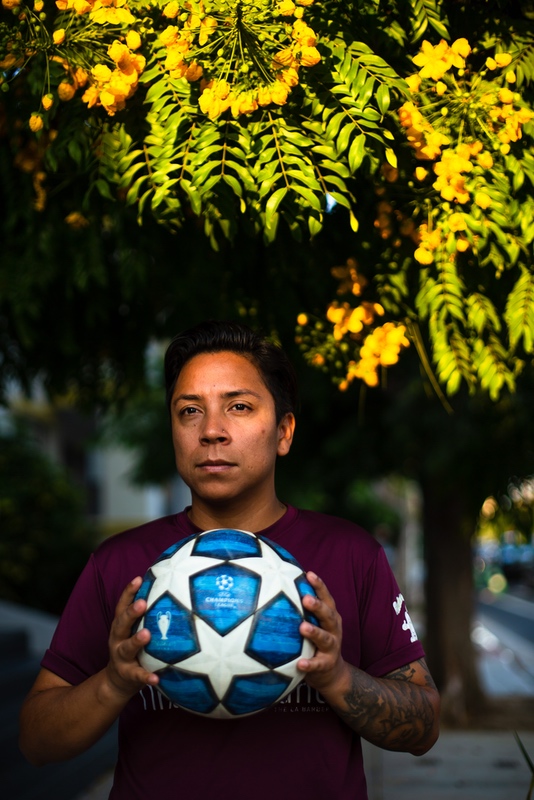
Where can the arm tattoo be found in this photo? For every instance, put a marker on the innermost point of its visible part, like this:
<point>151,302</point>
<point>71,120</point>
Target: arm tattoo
<point>391,712</point>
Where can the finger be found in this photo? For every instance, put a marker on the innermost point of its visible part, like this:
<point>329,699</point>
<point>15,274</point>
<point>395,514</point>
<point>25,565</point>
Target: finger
<point>323,640</point>
<point>127,597</point>
<point>128,609</point>
<point>320,588</point>
<point>323,610</point>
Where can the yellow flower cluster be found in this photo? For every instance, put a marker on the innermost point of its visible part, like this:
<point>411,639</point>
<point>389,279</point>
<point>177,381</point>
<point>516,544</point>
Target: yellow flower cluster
<point>450,182</point>
<point>111,88</point>
<point>436,60</point>
<point>352,320</point>
<point>426,141</point>
<point>113,12</point>
<point>349,278</point>
<point>231,89</point>
<point>505,120</point>
<point>381,348</point>
<point>430,240</point>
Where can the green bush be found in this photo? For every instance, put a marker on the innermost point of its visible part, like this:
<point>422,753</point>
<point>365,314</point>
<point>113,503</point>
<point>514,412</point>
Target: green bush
<point>44,538</point>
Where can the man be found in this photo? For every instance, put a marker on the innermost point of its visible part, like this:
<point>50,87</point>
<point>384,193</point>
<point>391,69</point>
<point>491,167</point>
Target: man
<point>231,396</point>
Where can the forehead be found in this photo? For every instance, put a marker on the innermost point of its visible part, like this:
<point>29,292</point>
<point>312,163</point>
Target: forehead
<point>223,371</point>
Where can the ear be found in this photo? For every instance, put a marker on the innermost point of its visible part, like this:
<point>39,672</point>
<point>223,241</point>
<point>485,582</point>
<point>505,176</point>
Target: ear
<point>286,429</point>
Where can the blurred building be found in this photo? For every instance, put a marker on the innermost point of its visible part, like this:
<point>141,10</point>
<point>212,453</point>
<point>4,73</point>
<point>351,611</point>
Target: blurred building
<point>70,439</point>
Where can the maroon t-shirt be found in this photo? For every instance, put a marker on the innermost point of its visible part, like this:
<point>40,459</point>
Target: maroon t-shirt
<point>297,748</point>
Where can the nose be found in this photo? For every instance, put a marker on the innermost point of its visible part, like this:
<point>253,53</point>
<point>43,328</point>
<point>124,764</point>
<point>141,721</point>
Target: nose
<point>213,430</point>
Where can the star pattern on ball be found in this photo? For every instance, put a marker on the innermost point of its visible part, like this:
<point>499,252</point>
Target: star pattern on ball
<point>221,657</point>
<point>277,575</point>
<point>172,575</point>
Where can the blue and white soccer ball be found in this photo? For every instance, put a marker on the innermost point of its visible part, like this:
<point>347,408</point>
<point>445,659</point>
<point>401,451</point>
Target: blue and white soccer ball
<point>224,609</point>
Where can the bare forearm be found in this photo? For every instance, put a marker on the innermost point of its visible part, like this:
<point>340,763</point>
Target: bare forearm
<point>62,722</point>
<point>391,712</point>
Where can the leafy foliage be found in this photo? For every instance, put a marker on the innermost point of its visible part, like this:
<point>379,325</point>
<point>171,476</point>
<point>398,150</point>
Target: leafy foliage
<point>45,540</point>
<point>234,119</point>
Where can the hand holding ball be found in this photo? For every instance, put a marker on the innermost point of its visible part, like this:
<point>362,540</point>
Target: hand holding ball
<point>224,609</point>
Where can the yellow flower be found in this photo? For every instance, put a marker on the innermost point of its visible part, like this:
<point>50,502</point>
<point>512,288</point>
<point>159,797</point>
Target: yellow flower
<point>244,103</point>
<point>65,91</point>
<point>169,35</point>
<point>80,76</point>
<point>47,101</point>
<point>491,63</point>
<point>264,96</point>
<point>482,200</point>
<point>76,220</point>
<point>303,34</point>
<point>431,148</point>
<point>503,59</point>
<point>82,6</point>
<point>505,149</point>
<point>119,53</point>
<point>171,10</point>
<point>101,73</point>
<point>441,88</point>
<point>304,2</point>
<point>302,319</point>
<point>510,76</point>
<point>286,8</point>
<point>485,160</point>
<point>421,173</point>
<point>279,93</point>
<point>457,222</point>
<point>435,61</point>
<point>309,56</point>
<point>59,36</point>
<point>38,5</point>
<point>289,76</point>
<point>36,123</point>
<point>414,82</point>
<point>461,47</point>
<point>423,256</point>
<point>462,245</point>
<point>318,360</point>
<point>133,40</point>
<point>285,58</point>
<point>91,96</point>
<point>207,27</point>
<point>193,72</point>
<point>9,5</point>
<point>506,96</point>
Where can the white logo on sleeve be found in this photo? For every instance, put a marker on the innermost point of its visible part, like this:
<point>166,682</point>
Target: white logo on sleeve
<point>407,625</point>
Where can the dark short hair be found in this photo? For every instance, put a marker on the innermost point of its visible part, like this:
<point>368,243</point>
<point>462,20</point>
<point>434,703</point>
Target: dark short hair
<point>215,337</point>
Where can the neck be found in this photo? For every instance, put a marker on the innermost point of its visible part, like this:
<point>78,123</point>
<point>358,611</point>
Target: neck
<point>246,519</point>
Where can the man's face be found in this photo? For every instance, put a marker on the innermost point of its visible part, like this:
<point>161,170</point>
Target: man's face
<point>224,430</point>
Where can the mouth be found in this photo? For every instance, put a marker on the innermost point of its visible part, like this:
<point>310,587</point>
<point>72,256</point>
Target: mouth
<point>215,465</point>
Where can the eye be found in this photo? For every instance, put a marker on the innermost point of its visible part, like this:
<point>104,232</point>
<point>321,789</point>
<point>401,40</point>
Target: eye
<point>188,411</point>
<point>241,407</point>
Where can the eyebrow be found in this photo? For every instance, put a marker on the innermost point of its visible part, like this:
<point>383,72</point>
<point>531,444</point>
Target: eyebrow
<point>225,395</point>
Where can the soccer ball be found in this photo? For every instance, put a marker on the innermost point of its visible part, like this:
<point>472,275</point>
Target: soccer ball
<point>224,609</point>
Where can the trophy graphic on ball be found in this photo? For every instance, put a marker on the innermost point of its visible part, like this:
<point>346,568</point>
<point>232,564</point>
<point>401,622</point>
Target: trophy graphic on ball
<point>164,622</point>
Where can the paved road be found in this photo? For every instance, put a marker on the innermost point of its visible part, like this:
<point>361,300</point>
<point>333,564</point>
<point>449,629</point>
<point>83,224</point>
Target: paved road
<point>514,612</point>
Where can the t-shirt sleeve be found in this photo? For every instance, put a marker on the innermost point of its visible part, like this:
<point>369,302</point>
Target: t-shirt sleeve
<point>388,636</point>
<point>79,647</point>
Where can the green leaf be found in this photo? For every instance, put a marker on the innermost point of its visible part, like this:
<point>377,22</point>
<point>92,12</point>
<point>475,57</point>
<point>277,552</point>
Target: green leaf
<point>383,98</point>
<point>357,153</point>
<point>274,201</point>
<point>233,183</point>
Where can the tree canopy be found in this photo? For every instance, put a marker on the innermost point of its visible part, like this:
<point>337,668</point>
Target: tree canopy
<point>394,139</point>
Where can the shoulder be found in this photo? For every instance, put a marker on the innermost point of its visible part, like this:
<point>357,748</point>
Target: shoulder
<point>140,546</point>
<point>337,529</point>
